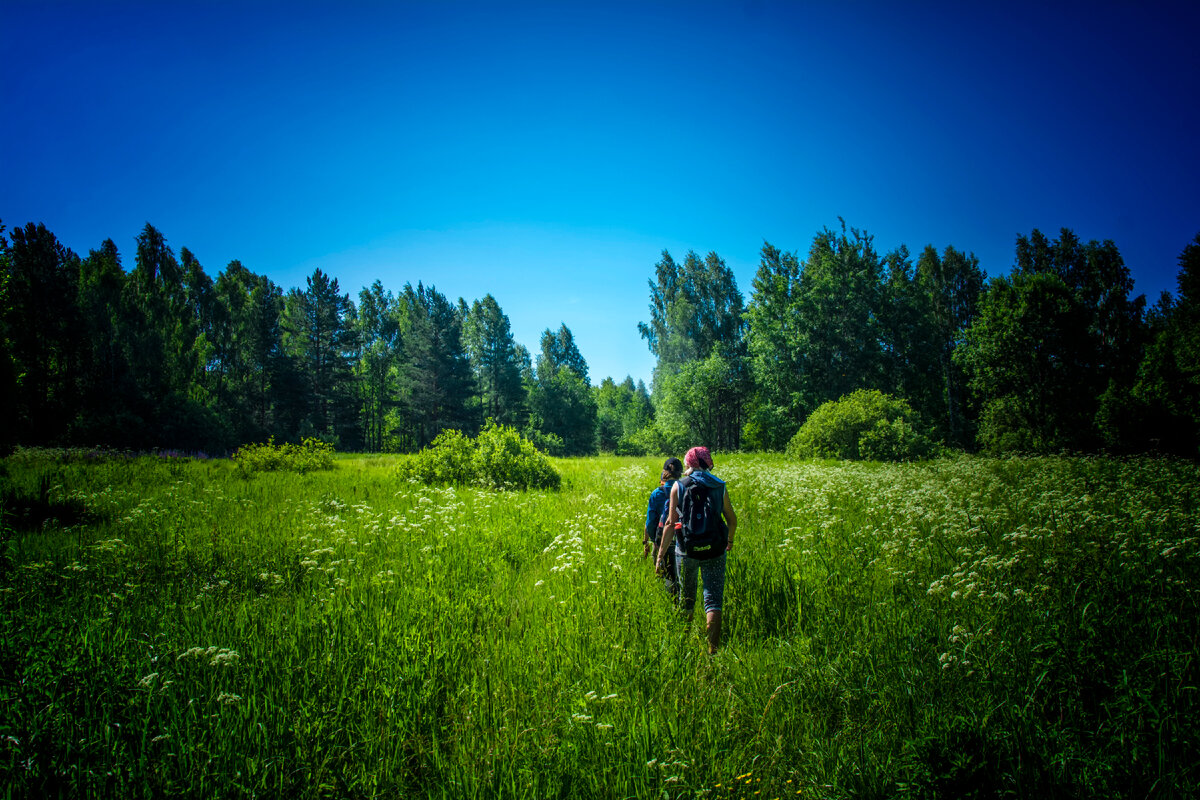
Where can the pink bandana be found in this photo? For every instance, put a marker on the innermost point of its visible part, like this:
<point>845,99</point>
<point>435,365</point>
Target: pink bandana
<point>698,458</point>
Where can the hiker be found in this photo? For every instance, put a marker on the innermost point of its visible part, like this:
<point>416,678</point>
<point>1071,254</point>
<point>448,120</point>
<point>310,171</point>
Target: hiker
<point>700,551</point>
<point>656,517</point>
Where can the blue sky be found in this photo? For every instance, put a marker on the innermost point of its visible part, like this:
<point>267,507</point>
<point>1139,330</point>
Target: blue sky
<point>548,152</point>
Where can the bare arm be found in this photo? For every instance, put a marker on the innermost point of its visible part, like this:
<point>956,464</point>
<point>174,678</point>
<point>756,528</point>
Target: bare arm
<point>730,520</point>
<point>668,534</point>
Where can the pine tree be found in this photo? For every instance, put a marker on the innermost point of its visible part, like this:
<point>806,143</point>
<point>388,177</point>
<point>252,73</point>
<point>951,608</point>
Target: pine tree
<point>249,356</point>
<point>378,364</point>
<point>771,342</point>
<point>109,392</point>
<point>950,286</point>
<point>436,381</point>
<point>561,401</point>
<point>44,334</point>
<point>321,339</point>
<point>1168,382</point>
<point>494,359</point>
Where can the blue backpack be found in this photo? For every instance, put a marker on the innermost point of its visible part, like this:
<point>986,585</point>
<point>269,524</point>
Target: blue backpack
<point>703,533</point>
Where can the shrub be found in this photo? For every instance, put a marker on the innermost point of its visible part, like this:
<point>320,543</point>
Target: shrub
<point>499,458</point>
<point>549,443</point>
<point>311,454</point>
<point>447,459</point>
<point>503,458</point>
<point>863,425</point>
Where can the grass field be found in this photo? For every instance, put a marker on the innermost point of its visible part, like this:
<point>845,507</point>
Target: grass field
<point>963,627</point>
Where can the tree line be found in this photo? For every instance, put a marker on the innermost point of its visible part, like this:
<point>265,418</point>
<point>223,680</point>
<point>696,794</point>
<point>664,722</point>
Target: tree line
<point>163,356</point>
<point>1055,356</point>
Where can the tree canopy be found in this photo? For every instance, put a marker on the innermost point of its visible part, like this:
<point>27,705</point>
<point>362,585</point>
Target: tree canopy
<point>1056,354</point>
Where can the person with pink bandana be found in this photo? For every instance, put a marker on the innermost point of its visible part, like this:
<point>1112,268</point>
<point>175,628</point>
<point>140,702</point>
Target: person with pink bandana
<point>699,463</point>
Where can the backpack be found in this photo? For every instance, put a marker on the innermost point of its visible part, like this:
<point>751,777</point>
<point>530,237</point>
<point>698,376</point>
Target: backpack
<point>703,533</point>
<point>666,510</point>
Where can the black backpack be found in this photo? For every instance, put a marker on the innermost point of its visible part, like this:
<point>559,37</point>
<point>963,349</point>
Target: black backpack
<point>703,534</point>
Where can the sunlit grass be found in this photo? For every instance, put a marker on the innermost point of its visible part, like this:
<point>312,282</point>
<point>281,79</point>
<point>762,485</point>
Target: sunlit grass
<point>1021,626</point>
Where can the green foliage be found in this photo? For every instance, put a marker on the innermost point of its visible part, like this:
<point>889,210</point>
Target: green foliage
<point>1054,345</point>
<point>437,383</point>
<point>42,335</point>
<point>1057,356</point>
<point>1025,353</point>
<point>377,373</point>
<point>695,310</point>
<point>863,425</point>
<point>561,401</point>
<point>838,301</point>
<point>505,460</point>
<point>954,285</point>
<point>697,332</point>
<point>647,441</point>
<point>311,454</point>
<point>190,425</point>
<point>559,351</point>
<point>1168,381</point>
<point>622,409</point>
<point>549,443</point>
<point>768,429</point>
<point>927,307</point>
<point>702,402</point>
<point>321,338</point>
<point>447,460</point>
<point>847,319</point>
<point>498,458</point>
<point>775,355</point>
<point>495,359</point>
<point>969,627</point>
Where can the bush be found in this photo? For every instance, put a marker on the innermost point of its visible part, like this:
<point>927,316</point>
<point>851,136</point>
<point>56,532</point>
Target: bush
<point>499,458</point>
<point>549,443</point>
<point>863,425</point>
<point>447,459</point>
<point>311,454</point>
<point>503,459</point>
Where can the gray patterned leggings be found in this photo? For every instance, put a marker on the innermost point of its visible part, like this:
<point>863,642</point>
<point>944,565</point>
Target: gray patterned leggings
<point>711,571</point>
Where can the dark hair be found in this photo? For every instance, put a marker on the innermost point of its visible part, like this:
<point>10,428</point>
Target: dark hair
<point>672,469</point>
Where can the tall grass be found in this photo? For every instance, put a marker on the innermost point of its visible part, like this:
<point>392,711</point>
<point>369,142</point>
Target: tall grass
<point>966,627</point>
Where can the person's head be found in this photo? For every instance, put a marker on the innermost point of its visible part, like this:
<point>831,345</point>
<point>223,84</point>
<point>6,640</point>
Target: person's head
<point>672,469</point>
<point>698,458</point>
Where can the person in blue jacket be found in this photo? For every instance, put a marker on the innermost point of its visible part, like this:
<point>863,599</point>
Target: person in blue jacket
<point>656,516</point>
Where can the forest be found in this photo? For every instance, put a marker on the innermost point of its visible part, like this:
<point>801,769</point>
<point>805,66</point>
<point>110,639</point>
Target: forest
<point>1056,356</point>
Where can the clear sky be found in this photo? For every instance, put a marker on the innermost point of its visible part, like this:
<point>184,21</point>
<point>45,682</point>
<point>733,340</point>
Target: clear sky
<point>548,152</point>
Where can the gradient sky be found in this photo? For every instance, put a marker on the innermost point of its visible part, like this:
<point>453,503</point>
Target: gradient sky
<point>548,152</point>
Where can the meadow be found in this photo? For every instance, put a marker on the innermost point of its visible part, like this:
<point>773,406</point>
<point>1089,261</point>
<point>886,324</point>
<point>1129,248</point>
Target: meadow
<point>965,627</point>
